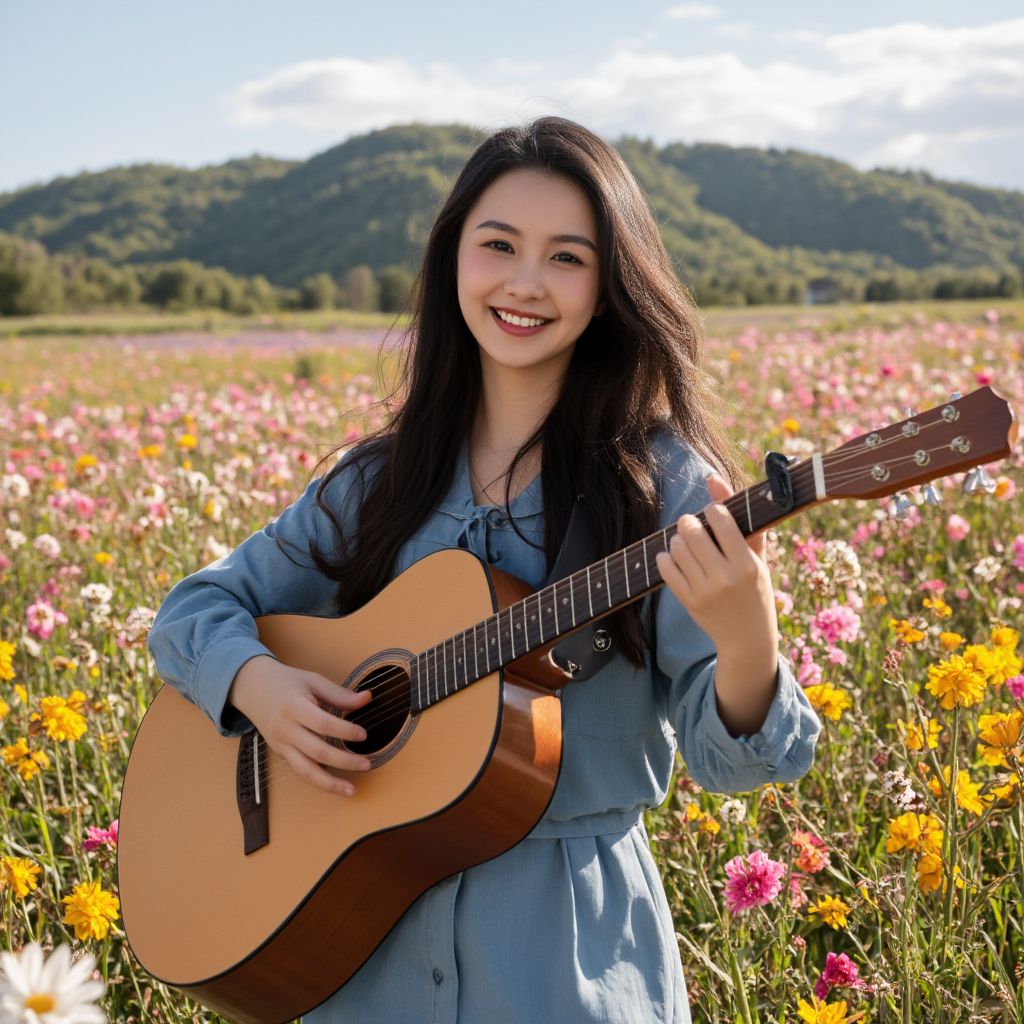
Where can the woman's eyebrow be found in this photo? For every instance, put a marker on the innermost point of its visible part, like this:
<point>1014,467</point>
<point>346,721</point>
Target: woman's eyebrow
<point>502,226</point>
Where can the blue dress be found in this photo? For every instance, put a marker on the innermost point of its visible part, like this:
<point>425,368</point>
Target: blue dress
<point>572,924</point>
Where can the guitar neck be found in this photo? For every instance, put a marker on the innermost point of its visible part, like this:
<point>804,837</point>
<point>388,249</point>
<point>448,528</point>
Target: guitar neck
<point>963,433</point>
<point>580,599</point>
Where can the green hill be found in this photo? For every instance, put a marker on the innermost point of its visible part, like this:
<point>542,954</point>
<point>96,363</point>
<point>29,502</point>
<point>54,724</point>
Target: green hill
<point>741,224</point>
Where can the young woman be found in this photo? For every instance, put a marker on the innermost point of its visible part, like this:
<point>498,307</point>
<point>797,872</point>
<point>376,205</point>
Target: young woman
<point>553,354</point>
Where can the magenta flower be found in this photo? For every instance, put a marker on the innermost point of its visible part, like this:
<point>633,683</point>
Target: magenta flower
<point>840,972</point>
<point>753,881</point>
<point>1016,687</point>
<point>97,837</point>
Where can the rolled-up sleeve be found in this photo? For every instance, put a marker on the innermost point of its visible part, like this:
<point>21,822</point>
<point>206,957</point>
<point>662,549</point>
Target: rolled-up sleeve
<point>205,630</point>
<point>684,665</point>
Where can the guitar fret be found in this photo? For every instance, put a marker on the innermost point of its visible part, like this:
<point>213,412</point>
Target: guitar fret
<point>590,593</point>
<point>625,567</point>
<point>607,585</point>
<point>647,568</point>
<point>554,591</point>
<point>572,600</point>
<point>476,653</point>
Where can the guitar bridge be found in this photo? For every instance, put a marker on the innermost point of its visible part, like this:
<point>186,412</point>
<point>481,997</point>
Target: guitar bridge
<point>251,791</point>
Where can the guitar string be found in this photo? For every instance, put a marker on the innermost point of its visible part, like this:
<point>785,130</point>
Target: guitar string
<point>617,574</point>
<point>803,473</point>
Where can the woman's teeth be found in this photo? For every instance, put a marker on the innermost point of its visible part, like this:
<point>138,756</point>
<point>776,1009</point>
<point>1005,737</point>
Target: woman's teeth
<point>519,321</point>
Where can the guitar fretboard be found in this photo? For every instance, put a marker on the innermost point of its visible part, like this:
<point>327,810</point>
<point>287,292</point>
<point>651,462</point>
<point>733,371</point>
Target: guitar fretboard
<point>575,601</point>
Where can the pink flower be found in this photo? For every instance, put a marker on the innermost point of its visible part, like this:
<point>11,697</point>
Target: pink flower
<point>43,619</point>
<point>753,881</point>
<point>835,623</point>
<point>97,837</point>
<point>957,527</point>
<point>1016,687</point>
<point>840,972</point>
<point>1018,551</point>
<point>797,896</point>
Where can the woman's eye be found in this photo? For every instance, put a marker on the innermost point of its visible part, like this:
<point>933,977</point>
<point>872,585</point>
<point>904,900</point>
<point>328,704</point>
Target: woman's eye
<point>572,258</point>
<point>498,241</point>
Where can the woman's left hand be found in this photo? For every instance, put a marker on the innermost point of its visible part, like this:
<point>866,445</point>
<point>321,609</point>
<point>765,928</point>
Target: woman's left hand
<point>728,592</point>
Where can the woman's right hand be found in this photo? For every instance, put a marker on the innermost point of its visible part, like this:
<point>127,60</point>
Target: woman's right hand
<point>287,706</point>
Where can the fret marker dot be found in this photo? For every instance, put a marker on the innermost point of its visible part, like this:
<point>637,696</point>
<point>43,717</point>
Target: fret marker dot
<point>599,585</point>
<point>565,600</point>
<point>637,566</point>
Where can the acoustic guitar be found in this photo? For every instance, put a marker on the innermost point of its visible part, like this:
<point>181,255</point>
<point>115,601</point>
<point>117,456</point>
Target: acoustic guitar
<point>260,895</point>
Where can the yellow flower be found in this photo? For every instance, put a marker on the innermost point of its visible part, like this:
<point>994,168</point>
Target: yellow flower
<point>790,425</point>
<point>930,873</point>
<point>20,874</point>
<point>907,632</point>
<point>833,911</point>
<point>187,441</point>
<point>1003,636</point>
<point>957,682</point>
<point>90,909</point>
<point>28,763</point>
<point>913,737</point>
<point>5,709</point>
<point>965,791</point>
<point>939,608</point>
<point>84,463</point>
<point>6,660</point>
<point>709,825</point>
<point>60,720</point>
<point>150,451</point>
<point>1004,664</point>
<point>829,700</point>
<point>1005,792</point>
<point>21,693</point>
<point>950,641</point>
<point>998,734</point>
<point>916,832</point>
<point>103,558</point>
<point>820,1012</point>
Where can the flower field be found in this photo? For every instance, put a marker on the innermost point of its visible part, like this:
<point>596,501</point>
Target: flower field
<point>887,885</point>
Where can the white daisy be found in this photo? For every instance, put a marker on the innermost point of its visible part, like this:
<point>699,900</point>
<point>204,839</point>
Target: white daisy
<point>54,991</point>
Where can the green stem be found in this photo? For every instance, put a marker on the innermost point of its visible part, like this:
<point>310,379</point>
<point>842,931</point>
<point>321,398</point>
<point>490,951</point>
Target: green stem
<point>950,845</point>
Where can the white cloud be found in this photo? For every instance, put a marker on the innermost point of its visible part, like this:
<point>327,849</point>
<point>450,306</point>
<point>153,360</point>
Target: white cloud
<point>948,99</point>
<point>692,12</point>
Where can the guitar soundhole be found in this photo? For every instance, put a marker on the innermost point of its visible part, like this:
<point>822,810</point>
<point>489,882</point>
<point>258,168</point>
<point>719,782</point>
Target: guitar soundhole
<point>385,716</point>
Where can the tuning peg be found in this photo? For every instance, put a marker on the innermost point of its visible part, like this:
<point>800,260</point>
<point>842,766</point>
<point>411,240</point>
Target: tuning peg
<point>931,495</point>
<point>971,482</point>
<point>908,412</point>
<point>901,505</point>
<point>985,482</point>
<point>954,395</point>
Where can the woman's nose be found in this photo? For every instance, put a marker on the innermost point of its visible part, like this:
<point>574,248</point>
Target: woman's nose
<point>525,281</point>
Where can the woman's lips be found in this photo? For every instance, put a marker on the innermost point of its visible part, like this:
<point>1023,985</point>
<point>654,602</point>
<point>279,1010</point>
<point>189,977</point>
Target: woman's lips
<point>513,329</point>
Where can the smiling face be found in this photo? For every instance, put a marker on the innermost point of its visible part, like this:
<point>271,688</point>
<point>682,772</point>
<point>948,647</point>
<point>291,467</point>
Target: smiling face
<point>528,271</point>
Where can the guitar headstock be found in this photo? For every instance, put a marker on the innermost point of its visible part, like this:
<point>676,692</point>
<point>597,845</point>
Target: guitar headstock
<point>965,432</point>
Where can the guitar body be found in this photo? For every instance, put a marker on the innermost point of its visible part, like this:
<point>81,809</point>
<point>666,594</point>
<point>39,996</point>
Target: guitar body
<point>266,935</point>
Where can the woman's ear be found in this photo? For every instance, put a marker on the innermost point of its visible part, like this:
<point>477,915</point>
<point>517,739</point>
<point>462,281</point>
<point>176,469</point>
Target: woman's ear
<point>599,309</point>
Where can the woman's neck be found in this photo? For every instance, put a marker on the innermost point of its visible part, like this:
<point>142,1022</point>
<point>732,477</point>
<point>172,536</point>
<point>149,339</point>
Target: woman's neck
<point>512,406</point>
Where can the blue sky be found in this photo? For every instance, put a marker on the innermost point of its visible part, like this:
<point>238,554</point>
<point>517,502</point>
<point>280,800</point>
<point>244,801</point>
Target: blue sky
<point>936,85</point>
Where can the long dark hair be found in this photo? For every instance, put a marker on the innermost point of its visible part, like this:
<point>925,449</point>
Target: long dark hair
<point>636,365</point>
